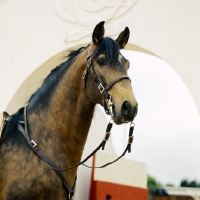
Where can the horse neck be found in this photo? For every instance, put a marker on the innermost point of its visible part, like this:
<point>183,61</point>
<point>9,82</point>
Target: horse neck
<point>64,124</point>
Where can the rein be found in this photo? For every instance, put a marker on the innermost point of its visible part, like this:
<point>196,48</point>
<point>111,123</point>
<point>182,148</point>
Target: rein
<point>33,145</point>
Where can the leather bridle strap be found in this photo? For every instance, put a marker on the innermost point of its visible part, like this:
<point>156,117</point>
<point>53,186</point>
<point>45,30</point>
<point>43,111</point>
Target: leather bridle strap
<point>128,148</point>
<point>33,145</point>
<point>102,145</point>
<point>103,89</point>
<point>115,81</point>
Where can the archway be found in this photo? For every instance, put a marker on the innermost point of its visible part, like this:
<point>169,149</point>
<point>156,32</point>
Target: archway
<point>152,127</point>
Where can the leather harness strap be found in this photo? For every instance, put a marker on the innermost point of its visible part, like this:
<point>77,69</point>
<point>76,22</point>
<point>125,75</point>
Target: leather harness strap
<point>115,81</point>
<point>22,126</point>
<point>128,148</point>
<point>103,89</point>
<point>4,117</point>
<point>46,159</point>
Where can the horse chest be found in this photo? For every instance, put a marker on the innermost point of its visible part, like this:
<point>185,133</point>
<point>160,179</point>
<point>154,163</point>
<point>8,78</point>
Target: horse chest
<point>28,178</point>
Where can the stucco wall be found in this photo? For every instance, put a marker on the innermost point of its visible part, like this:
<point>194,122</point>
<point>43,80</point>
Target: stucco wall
<point>34,31</point>
<point>35,34</point>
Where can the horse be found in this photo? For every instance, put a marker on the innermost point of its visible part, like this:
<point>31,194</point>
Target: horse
<point>58,116</point>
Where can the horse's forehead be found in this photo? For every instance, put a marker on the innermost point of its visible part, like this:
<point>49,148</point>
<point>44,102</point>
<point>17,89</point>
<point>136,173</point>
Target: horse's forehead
<point>121,58</point>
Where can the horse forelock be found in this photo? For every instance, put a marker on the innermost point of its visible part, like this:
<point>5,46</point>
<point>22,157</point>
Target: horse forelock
<point>109,48</point>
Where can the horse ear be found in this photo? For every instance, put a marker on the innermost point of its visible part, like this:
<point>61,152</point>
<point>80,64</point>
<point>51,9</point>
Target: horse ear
<point>98,32</point>
<point>123,38</point>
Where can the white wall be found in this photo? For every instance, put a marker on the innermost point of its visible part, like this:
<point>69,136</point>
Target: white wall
<point>34,35</point>
<point>34,31</point>
<point>123,172</point>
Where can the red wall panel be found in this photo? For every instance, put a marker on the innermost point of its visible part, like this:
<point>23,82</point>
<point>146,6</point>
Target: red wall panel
<point>99,191</point>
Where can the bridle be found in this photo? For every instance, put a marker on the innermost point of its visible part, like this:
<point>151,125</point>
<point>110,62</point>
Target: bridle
<point>22,126</point>
<point>107,99</point>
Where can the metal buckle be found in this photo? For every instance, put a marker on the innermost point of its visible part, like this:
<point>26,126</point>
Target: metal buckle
<point>84,74</point>
<point>110,103</point>
<point>109,106</point>
<point>33,143</point>
<point>130,139</point>
<point>70,196</point>
<point>107,135</point>
<point>89,61</point>
<point>101,88</point>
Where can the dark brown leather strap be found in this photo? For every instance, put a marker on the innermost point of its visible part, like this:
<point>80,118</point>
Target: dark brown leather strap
<point>115,81</point>
<point>103,89</point>
<point>5,117</point>
<point>128,148</point>
<point>46,159</point>
<point>57,170</point>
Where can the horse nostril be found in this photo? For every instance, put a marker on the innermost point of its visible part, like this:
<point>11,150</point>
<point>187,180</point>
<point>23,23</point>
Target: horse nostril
<point>126,108</point>
<point>127,111</point>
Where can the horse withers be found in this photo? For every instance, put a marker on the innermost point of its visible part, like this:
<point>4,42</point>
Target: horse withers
<point>58,116</point>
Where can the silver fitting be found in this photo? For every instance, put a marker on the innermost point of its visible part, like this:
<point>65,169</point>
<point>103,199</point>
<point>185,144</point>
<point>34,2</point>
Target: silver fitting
<point>130,139</point>
<point>89,62</point>
<point>107,135</point>
<point>109,106</point>
<point>101,88</point>
<point>132,124</point>
<point>33,143</point>
<point>84,74</point>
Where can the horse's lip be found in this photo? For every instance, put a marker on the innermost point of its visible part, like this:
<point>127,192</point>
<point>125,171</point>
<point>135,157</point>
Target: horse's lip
<point>116,119</point>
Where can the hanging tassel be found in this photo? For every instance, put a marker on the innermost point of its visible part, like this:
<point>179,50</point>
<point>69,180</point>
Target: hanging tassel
<point>131,137</point>
<point>107,135</point>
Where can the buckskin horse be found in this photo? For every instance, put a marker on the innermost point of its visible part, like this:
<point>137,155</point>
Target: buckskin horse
<point>57,118</point>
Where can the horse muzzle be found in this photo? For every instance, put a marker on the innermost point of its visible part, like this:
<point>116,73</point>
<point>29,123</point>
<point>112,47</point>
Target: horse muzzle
<point>125,113</point>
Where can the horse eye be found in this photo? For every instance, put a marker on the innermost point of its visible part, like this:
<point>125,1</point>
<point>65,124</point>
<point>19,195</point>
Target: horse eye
<point>101,61</point>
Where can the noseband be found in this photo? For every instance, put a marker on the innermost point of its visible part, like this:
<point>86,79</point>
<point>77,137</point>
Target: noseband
<point>107,99</point>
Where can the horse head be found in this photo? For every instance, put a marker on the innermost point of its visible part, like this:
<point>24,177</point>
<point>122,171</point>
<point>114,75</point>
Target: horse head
<point>108,73</point>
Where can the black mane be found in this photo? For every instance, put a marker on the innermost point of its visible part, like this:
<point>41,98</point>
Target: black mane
<point>51,81</point>
<point>43,94</point>
<point>107,46</point>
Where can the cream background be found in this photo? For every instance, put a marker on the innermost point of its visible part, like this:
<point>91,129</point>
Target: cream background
<point>35,34</point>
